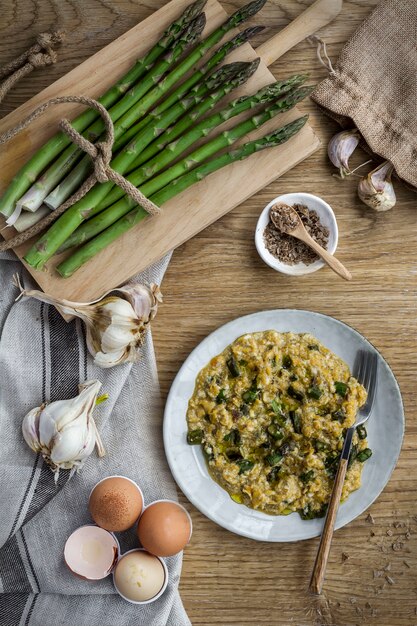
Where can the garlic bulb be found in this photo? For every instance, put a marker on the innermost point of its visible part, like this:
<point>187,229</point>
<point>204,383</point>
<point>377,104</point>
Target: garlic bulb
<point>376,189</point>
<point>115,324</point>
<point>341,147</point>
<point>64,432</point>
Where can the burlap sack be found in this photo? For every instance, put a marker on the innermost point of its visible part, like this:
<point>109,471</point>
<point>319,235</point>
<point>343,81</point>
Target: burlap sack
<point>374,85</point>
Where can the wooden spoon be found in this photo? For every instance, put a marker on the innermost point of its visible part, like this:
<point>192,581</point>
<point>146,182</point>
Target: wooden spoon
<point>296,229</point>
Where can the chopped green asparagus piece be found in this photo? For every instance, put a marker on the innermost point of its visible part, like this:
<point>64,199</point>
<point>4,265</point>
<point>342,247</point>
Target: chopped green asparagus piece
<point>341,388</point>
<point>361,431</point>
<point>296,395</point>
<point>233,367</point>
<point>306,476</point>
<point>274,459</point>
<point>275,432</point>
<point>315,392</point>
<point>296,421</point>
<point>245,465</point>
<point>364,455</point>
<point>195,437</point>
<point>221,396</point>
<point>339,416</point>
<point>233,437</point>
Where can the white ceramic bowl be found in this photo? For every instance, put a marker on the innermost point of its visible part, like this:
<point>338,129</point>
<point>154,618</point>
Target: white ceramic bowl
<point>327,218</point>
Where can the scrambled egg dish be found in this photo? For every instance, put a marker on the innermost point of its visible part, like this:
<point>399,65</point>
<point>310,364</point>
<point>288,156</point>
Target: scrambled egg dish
<point>271,412</point>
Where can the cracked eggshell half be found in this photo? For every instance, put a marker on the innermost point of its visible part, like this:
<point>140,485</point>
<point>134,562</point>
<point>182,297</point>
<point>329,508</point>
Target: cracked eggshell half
<point>91,552</point>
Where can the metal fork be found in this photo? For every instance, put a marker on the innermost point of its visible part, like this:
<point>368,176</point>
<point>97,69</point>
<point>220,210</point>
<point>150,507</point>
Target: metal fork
<point>365,370</point>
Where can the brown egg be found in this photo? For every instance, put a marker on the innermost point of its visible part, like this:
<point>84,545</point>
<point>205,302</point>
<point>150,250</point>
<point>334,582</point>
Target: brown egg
<point>164,528</point>
<point>115,503</point>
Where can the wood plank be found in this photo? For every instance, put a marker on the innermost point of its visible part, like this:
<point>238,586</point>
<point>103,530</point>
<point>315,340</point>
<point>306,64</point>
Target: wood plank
<point>183,216</point>
<point>216,276</point>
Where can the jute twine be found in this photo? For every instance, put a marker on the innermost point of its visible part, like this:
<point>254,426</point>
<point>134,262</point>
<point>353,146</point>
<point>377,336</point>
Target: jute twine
<point>40,54</point>
<point>101,154</point>
<point>321,51</point>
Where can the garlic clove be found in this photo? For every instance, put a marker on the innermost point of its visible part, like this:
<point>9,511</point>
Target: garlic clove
<point>84,403</point>
<point>110,359</point>
<point>57,415</point>
<point>376,189</point>
<point>341,146</point>
<point>50,416</point>
<point>143,299</point>
<point>69,443</point>
<point>30,429</point>
<point>88,445</point>
<point>117,335</point>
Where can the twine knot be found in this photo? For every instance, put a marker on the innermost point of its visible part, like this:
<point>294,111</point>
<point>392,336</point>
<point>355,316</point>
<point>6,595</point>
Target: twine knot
<point>40,59</point>
<point>42,53</point>
<point>101,161</point>
<point>100,153</point>
<point>46,42</point>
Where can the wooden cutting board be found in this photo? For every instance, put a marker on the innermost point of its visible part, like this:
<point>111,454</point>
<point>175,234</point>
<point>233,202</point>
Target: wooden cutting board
<point>184,215</point>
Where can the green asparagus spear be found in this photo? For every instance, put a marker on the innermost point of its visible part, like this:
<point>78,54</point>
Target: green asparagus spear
<point>108,216</point>
<point>90,249</point>
<point>28,173</point>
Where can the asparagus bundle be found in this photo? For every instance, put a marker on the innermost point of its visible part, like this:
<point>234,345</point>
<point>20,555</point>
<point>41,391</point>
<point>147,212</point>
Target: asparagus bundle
<point>150,89</point>
<point>90,249</point>
<point>123,108</point>
<point>56,144</point>
<point>225,80</point>
<point>82,209</point>
<point>83,168</point>
<point>54,238</point>
<point>175,149</point>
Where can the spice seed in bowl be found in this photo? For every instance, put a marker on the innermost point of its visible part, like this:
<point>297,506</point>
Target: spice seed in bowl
<point>288,249</point>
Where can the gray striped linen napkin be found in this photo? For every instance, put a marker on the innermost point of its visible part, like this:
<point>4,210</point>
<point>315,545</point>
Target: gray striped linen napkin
<point>44,358</point>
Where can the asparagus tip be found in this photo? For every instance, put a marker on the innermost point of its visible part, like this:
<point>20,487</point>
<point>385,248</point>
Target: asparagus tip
<point>192,11</point>
<point>251,31</point>
<point>245,12</point>
<point>254,65</point>
<point>197,25</point>
<point>303,92</point>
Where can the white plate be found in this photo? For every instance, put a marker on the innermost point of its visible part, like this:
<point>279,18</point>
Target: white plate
<point>385,429</point>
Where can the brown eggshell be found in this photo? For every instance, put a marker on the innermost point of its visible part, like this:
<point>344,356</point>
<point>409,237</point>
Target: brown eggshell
<point>164,528</point>
<point>115,503</point>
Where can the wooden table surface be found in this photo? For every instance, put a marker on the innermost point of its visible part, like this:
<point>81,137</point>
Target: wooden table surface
<point>218,276</point>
